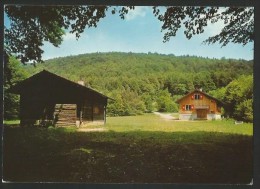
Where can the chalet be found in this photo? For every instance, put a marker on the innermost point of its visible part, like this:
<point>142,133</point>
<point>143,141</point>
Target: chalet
<point>46,98</point>
<point>199,105</point>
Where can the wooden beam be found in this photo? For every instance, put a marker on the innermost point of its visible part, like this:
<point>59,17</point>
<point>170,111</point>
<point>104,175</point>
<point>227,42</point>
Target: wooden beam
<point>105,114</point>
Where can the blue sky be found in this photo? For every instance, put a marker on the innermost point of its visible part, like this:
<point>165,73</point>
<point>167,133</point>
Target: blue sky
<point>141,32</point>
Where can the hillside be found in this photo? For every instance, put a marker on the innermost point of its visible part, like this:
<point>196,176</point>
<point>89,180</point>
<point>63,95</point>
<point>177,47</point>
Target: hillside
<point>146,82</point>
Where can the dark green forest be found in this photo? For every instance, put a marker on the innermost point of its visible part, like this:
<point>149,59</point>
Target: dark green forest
<point>141,83</point>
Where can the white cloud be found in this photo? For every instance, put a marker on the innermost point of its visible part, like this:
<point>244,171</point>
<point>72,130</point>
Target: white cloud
<point>137,12</point>
<point>213,29</point>
<point>69,36</point>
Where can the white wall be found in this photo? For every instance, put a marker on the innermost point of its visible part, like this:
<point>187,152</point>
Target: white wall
<point>213,116</point>
<point>187,116</point>
<point>194,116</point>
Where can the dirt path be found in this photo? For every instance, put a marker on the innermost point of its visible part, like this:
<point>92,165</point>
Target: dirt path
<point>92,129</point>
<point>165,116</point>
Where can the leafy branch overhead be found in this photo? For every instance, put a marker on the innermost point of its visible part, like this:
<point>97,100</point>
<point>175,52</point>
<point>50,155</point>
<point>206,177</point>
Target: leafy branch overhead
<point>238,23</point>
<point>30,26</point>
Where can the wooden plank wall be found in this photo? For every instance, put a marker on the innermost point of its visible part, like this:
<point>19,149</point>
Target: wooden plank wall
<point>200,102</point>
<point>65,115</point>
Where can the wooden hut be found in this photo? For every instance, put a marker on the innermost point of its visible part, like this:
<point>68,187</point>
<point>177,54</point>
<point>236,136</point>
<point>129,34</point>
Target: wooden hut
<point>46,98</point>
<point>199,105</point>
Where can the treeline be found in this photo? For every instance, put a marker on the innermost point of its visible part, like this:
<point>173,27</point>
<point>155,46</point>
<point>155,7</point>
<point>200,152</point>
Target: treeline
<point>142,83</point>
<point>238,98</point>
<point>14,72</point>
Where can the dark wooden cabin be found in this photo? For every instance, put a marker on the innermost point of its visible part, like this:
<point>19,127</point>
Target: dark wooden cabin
<point>46,98</point>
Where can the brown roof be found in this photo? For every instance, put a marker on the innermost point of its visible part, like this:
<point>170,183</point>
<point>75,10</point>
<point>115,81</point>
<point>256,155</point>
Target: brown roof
<point>199,91</point>
<point>49,79</point>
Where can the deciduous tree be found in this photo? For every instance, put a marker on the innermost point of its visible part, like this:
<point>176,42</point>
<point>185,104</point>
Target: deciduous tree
<point>12,75</point>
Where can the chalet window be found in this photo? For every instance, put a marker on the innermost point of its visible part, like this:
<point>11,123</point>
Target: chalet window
<point>196,96</point>
<point>188,107</point>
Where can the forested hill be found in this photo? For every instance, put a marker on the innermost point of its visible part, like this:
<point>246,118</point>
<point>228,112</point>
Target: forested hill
<point>146,82</point>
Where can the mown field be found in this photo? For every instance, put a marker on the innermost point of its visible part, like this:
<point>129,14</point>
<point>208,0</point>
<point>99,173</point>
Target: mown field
<point>134,149</point>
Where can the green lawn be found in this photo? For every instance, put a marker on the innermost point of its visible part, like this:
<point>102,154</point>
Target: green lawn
<point>151,122</point>
<point>138,149</point>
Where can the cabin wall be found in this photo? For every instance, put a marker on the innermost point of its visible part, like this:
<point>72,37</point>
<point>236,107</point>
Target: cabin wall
<point>213,116</point>
<point>65,115</point>
<point>93,113</point>
<point>187,116</point>
<point>35,109</point>
<point>40,109</point>
<point>205,101</point>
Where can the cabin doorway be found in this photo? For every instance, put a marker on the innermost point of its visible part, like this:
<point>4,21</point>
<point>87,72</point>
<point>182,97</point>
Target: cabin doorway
<point>201,113</point>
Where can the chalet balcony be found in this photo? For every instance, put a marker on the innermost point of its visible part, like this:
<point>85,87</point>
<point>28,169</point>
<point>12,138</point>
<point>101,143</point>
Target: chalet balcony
<point>201,107</point>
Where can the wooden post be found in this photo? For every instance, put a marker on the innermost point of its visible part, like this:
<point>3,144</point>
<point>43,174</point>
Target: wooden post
<point>92,112</point>
<point>21,111</point>
<point>80,116</point>
<point>105,114</point>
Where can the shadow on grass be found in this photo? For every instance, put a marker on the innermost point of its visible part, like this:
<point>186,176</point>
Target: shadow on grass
<point>61,155</point>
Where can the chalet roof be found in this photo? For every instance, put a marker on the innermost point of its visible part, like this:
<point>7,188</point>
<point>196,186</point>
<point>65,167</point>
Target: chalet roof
<point>50,79</point>
<point>199,91</point>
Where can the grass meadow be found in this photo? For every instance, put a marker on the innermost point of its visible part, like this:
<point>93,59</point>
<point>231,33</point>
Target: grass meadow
<point>134,149</point>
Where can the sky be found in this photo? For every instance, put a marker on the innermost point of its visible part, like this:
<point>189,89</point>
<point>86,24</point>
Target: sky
<point>140,32</point>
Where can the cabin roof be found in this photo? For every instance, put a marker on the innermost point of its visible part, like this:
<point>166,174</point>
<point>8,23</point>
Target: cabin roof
<point>199,91</point>
<point>50,78</point>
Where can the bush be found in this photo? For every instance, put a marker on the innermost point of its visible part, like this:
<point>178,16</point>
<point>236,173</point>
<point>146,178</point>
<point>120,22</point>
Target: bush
<point>244,110</point>
<point>166,103</point>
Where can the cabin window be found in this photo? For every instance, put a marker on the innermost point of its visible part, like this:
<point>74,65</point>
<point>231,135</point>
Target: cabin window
<point>188,107</point>
<point>96,110</point>
<point>196,96</point>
